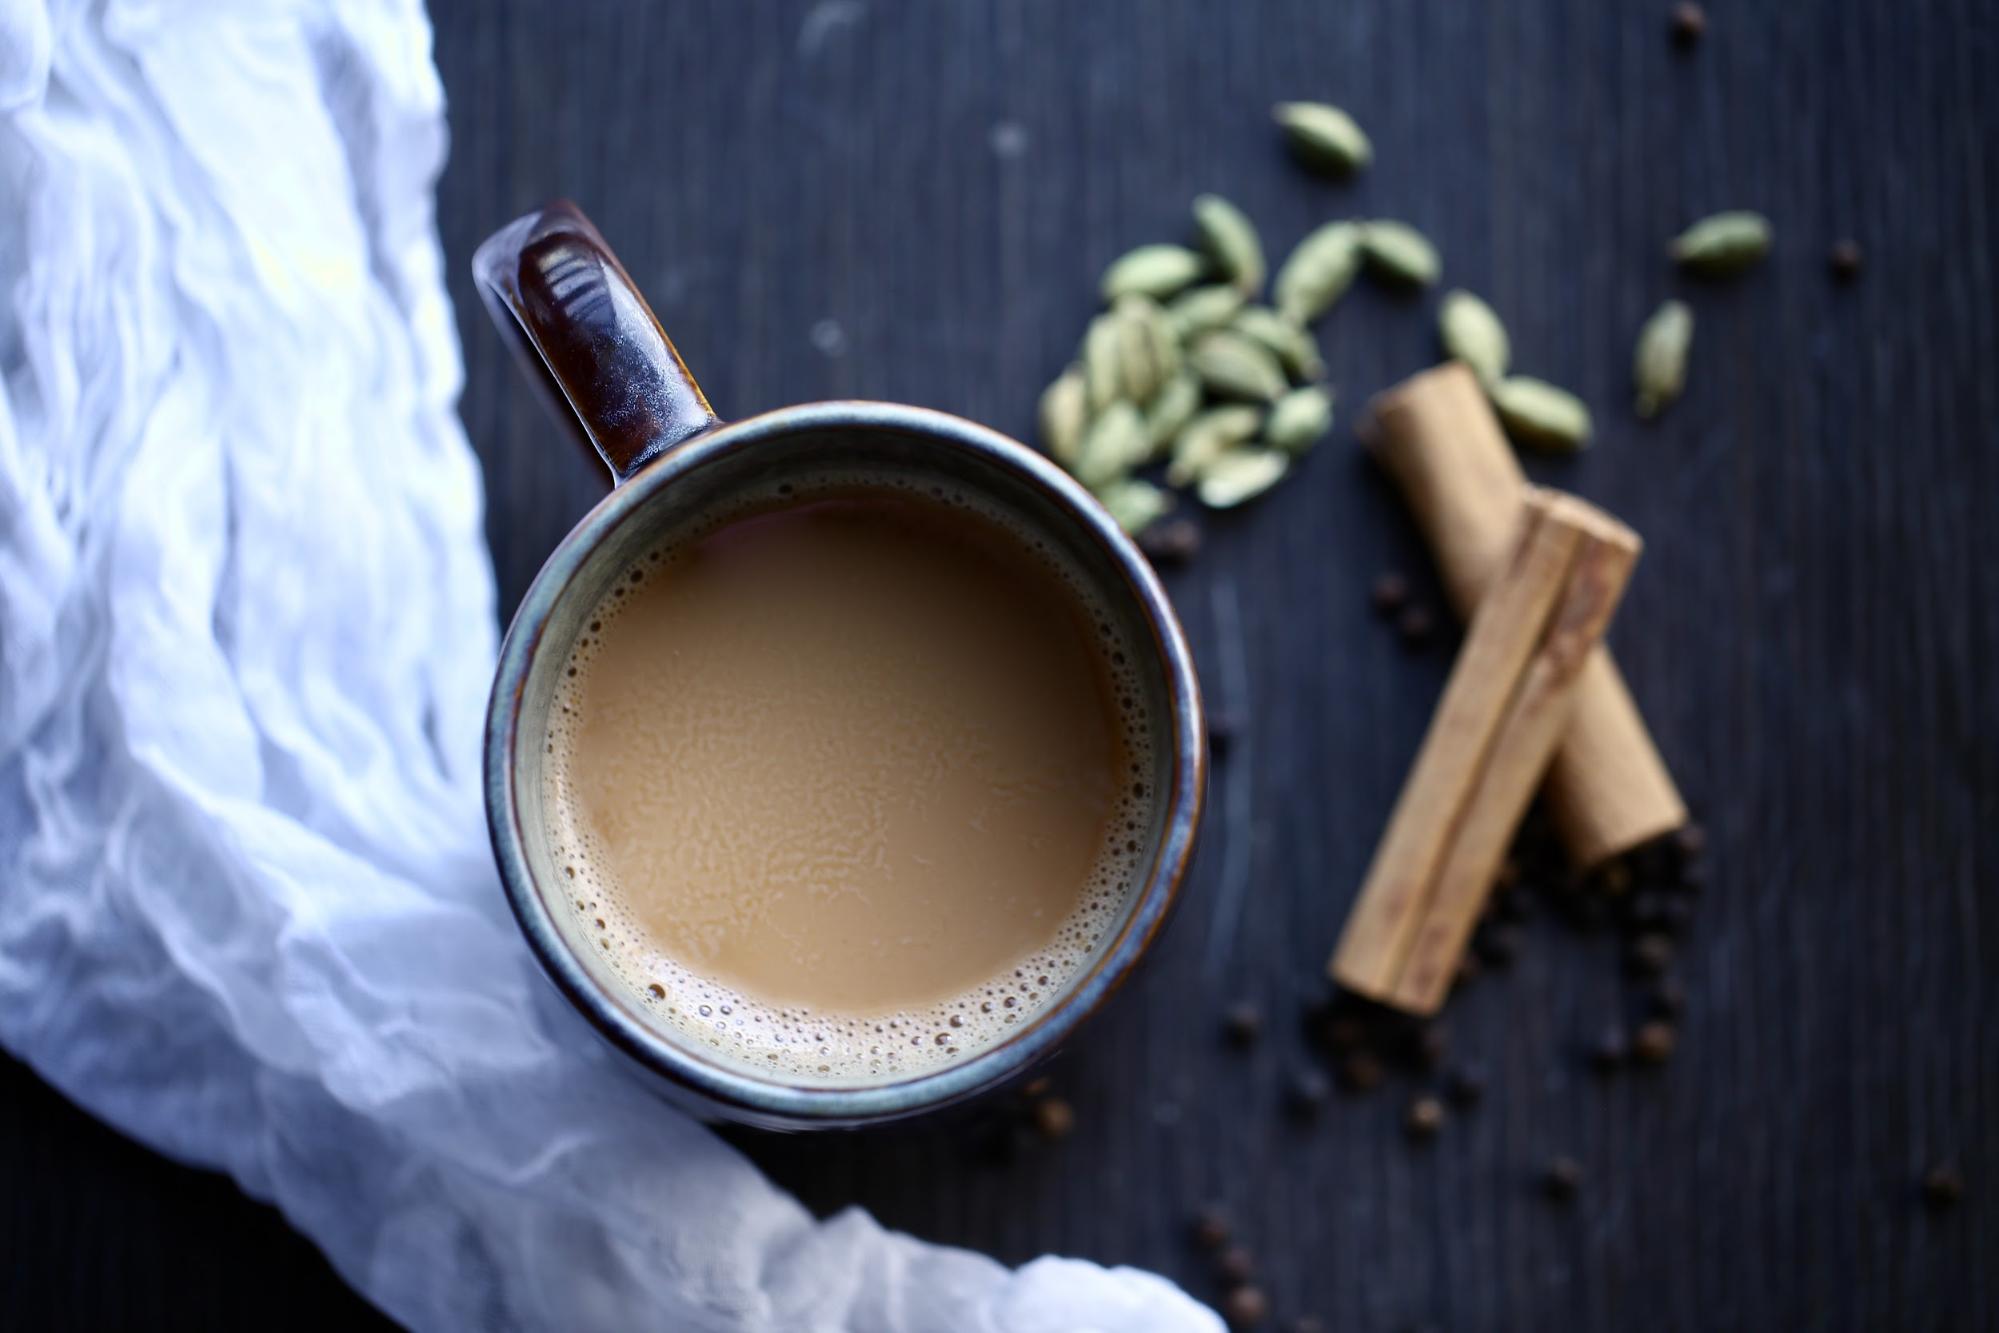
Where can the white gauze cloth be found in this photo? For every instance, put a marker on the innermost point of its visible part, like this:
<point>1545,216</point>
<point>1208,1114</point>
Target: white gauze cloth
<point>247,910</point>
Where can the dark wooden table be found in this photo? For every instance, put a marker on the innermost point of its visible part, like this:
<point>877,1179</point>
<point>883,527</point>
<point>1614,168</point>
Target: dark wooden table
<point>912,202</point>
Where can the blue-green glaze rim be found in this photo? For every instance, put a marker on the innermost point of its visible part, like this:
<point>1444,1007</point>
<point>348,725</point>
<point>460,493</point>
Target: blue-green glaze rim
<point>715,1088</point>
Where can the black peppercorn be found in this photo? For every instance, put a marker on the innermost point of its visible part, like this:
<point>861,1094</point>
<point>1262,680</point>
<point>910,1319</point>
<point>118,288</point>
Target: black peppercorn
<point>1689,23</point>
<point>1171,541</point>
<point>1943,1187</point>
<point>1246,1307</point>
<point>1210,1229</point>
<point>1424,1118</point>
<point>1465,1085</point>
<point>1305,1093</point>
<point>1414,625</point>
<point>1390,591</point>
<point>1360,1072</point>
<point>1054,1119</point>
<point>1563,1179</point>
<point>1844,259</point>
<point>1654,1043</point>
<point>1242,1024</point>
<point>1650,954</point>
<point>1236,1265</point>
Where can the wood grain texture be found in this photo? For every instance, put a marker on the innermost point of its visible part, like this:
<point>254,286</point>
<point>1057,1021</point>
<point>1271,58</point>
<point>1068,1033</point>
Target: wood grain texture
<point>914,202</point>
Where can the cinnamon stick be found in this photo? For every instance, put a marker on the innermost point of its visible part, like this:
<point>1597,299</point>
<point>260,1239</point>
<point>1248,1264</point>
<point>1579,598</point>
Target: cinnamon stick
<point>1435,434</point>
<point>1510,696</point>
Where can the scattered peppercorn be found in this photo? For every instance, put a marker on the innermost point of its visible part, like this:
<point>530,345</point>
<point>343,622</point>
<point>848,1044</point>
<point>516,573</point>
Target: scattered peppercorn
<point>1845,259</point>
<point>1414,625</point>
<point>1943,1187</point>
<point>1171,541</point>
<point>1465,1085</point>
<point>1391,590</point>
<point>1650,954</point>
<point>1242,1024</point>
<point>1038,1087</point>
<point>1211,1227</point>
<point>1497,945</point>
<point>1305,1093</point>
<point>1563,1179</point>
<point>1613,878</point>
<point>1429,1045</point>
<point>1424,1118</point>
<point>1236,1265</point>
<point>1246,1307</point>
<point>1689,23</point>
<point>1606,1053</point>
<point>1654,1043</point>
<point>1360,1072</point>
<point>1054,1119</point>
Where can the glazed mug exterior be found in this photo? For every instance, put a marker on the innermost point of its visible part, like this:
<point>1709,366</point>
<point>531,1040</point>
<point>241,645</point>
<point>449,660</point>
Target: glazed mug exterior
<point>607,371</point>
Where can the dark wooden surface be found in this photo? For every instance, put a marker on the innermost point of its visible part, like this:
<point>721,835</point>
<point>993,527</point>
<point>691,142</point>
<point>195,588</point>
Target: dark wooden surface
<point>913,201</point>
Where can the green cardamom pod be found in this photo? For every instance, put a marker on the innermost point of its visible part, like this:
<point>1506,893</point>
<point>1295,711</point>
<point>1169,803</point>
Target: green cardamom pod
<point>1114,444</point>
<point>1318,272</point>
<point>1324,137</point>
<point>1230,237</point>
<point>1172,408</point>
<point>1139,371</point>
<point>1297,349</point>
<point>1135,504</point>
<point>1299,419</point>
<point>1203,308</point>
<point>1102,362</point>
<point>1659,365</point>
<point>1540,415</point>
<point>1065,411</point>
<point>1472,333</point>
<point>1231,366</point>
<point>1157,271</point>
<point>1239,475</point>
<point>1160,339</point>
<point>1723,243</point>
<point>1207,437</point>
<point>1399,252</point>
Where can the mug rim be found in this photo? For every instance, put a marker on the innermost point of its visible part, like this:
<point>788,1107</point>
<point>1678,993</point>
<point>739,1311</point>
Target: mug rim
<point>739,1095</point>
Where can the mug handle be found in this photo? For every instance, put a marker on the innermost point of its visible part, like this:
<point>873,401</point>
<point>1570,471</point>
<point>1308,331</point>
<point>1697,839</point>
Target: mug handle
<point>590,344</point>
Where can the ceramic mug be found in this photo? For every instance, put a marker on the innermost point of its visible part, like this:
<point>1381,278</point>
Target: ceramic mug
<point>591,344</point>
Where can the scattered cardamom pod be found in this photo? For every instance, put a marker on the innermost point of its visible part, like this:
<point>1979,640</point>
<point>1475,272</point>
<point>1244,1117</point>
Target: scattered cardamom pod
<point>1172,408</point>
<point>1538,414</point>
<point>1207,437</point>
<point>1399,252</point>
<point>1114,444</point>
<point>1239,475</point>
<point>1724,243</point>
<point>1299,419</point>
<point>1203,308</point>
<point>1230,238</point>
<point>1102,362</point>
<point>1157,271</point>
<point>1065,411</point>
<point>1318,272</point>
<point>1659,366</point>
<point>1472,333</point>
<point>1136,505</point>
<point>1139,372</point>
<point>1324,137</point>
<point>1232,366</point>
<point>1159,334</point>
<point>1297,349</point>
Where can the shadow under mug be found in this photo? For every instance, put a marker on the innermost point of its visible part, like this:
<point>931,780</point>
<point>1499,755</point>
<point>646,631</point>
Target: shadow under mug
<point>605,368</point>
